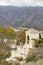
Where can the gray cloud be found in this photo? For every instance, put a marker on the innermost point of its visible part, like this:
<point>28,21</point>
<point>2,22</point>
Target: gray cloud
<point>22,2</point>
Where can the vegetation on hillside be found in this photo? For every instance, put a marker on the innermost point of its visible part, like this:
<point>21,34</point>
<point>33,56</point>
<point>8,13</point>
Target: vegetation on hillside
<point>22,37</point>
<point>35,55</point>
<point>4,51</point>
<point>32,56</point>
<point>25,16</point>
<point>6,32</point>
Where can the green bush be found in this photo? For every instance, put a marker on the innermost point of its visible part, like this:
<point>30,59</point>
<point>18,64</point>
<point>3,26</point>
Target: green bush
<point>7,32</point>
<point>8,55</point>
<point>31,58</point>
<point>3,55</point>
<point>39,43</point>
<point>4,51</point>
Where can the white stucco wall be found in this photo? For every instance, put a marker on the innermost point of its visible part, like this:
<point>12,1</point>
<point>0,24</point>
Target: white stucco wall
<point>41,35</point>
<point>33,36</point>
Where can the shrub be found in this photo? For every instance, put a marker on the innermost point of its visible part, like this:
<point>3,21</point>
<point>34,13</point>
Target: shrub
<point>39,43</point>
<point>30,58</point>
<point>8,55</point>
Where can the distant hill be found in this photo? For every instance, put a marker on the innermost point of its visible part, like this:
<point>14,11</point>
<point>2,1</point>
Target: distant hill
<point>21,16</point>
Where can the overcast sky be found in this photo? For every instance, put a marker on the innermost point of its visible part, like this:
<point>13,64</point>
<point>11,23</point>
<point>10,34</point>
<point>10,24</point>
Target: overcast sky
<point>21,2</point>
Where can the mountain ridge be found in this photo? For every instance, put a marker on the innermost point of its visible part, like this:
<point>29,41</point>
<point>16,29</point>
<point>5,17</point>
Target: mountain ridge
<point>21,16</point>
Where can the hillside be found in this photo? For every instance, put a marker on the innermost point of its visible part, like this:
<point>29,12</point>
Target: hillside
<point>21,16</point>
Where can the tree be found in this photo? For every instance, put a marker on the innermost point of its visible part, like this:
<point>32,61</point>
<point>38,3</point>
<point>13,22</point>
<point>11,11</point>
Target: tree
<point>22,36</point>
